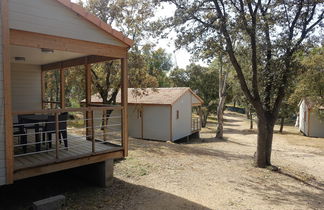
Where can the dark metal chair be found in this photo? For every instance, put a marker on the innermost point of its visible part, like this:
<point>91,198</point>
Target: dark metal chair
<point>20,132</point>
<point>50,128</point>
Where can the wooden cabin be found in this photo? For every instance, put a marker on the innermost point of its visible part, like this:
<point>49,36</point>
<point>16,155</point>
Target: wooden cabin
<point>163,114</point>
<point>310,123</point>
<point>38,136</point>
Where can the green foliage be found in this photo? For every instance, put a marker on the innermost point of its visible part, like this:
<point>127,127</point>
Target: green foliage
<point>310,82</point>
<point>202,80</point>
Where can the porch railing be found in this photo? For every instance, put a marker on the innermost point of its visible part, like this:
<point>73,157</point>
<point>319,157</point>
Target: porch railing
<point>76,131</point>
<point>195,124</point>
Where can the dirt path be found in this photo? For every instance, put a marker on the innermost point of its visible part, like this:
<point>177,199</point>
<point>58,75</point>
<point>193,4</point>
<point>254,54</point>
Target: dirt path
<point>219,174</point>
<point>212,174</point>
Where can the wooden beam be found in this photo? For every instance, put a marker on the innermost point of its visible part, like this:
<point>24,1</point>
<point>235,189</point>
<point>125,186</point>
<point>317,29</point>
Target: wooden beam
<point>88,99</point>
<point>124,103</point>
<point>8,130</point>
<point>62,88</point>
<point>37,40</point>
<point>171,134</point>
<point>200,116</point>
<point>43,89</point>
<point>142,121</point>
<point>88,83</point>
<point>59,166</point>
<point>75,62</point>
<point>82,109</point>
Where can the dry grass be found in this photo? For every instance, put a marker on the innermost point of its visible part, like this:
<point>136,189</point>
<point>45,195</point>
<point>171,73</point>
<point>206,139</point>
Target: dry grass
<point>207,173</point>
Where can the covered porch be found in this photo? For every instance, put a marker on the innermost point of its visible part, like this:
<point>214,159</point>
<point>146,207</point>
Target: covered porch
<point>39,124</point>
<point>46,135</point>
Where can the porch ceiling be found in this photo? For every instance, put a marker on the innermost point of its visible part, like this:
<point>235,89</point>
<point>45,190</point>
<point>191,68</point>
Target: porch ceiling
<point>37,57</point>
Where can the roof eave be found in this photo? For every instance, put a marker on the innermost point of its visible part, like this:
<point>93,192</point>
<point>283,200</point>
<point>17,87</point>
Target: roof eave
<point>96,21</point>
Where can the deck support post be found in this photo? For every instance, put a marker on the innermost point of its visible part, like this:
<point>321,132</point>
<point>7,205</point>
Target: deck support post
<point>100,174</point>
<point>124,102</point>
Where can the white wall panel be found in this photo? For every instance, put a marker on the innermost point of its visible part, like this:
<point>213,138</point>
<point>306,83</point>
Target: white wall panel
<point>51,17</point>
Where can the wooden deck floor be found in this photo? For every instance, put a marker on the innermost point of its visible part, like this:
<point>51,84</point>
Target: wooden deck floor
<point>78,147</point>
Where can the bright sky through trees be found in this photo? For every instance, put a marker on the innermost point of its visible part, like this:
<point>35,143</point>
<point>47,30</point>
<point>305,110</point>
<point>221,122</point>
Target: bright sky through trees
<point>181,57</point>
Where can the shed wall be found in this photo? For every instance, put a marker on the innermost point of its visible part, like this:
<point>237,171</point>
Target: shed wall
<point>134,122</point>
<point>26,87</point>
<point>52,18</point>
<point>303,118</point>
<point>182,127</point>
<point>156,122</point>
<point>2,130</point>
<point>316,128</point>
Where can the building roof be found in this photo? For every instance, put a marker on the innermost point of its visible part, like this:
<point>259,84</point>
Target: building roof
<point>311,104</point>
<point>96,21</point>
<point>158,96</point>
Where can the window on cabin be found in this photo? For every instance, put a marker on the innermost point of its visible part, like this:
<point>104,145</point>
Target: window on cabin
<point>178,115</point>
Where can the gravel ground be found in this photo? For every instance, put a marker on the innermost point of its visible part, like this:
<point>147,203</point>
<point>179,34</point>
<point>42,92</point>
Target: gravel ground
<point>204,173</point>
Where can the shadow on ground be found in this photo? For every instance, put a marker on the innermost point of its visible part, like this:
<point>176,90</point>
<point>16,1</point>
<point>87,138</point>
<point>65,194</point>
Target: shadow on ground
<point>83,195</point>
<point>281,193</point>
<point>163,148</point>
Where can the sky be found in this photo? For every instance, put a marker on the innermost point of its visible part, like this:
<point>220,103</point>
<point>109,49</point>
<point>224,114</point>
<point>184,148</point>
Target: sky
<point>181,57</point>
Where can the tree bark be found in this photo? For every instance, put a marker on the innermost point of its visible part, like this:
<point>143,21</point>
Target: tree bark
<point>264,142</point>
<point>222,98</point>
<point>282,124</point>
<point>220,117</point>
<point>204,119</point>
<point>251,120</point>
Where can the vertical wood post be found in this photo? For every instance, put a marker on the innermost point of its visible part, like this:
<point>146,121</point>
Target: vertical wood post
<point>57,135</point>
<point>200,116</point>
<point>62,88</point>
<point>4,24</point>
<point>104,124</point>
<point>93,133</point>
<point>88,99</point>
<point>171,120</point>
<point>124,102</point>
<point>43,88</point>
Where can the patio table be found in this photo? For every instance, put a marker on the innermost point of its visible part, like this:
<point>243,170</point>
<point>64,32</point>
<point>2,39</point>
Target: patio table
<point>36,120</point>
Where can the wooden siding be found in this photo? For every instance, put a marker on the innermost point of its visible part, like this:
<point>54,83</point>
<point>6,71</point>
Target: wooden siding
<point>134,122</point>
<point>2,130</point>
<point>182,127</point>
<point>316,126</point>
<point>156,121</point>
<point>52,18</point>
<point>303,118</point>
<point>26,87</point>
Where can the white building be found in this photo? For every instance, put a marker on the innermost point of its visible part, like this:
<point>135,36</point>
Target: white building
<point>164,114</point>
<point>310,123</point>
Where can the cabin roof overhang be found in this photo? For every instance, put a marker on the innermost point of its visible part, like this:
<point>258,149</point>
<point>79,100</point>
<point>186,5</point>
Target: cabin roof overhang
<point>96,21</point>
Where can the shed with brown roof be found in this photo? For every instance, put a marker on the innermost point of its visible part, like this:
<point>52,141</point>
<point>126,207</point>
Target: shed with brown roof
<point>310,122</point>
<point>164,114</point>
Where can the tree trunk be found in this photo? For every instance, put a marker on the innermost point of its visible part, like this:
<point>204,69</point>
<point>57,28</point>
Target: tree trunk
<point>220,117</point>
<point>251,120</point>
<point>282,124</point>
<point>248,113</point>
<point>234,104</point>
<point>222,98</point>
<point>204,119</point>
<point>264,143</point>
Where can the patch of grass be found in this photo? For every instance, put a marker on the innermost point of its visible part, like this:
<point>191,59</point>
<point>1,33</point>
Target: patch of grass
<point>133,168</point>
